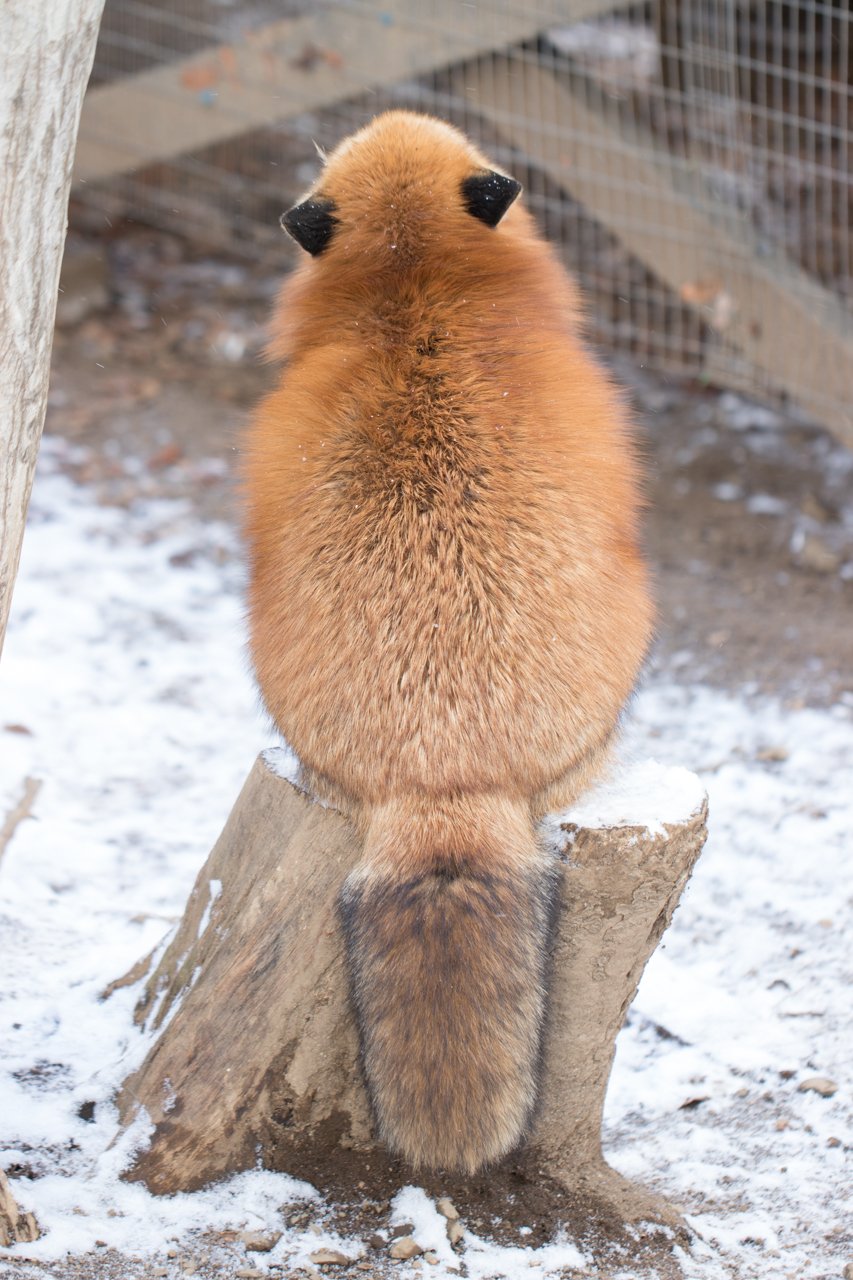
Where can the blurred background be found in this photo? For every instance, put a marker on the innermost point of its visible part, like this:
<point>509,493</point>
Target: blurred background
<point>690,158</point>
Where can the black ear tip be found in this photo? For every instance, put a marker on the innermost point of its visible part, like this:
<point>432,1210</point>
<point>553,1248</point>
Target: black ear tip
<point>311,224</point>
<point>488,195</point>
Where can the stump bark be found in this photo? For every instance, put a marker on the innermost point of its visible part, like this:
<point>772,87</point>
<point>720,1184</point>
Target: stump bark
<point>16,1225</point>
<point>256,1051</point>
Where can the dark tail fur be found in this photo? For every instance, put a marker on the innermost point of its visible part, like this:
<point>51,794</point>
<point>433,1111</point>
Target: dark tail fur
<point>447,924</point>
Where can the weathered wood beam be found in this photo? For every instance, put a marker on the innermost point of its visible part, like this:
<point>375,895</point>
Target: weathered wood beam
<point>293,65</point>
<point>663,212</point>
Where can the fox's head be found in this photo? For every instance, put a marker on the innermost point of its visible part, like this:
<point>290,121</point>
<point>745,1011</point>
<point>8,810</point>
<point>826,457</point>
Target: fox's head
<point>397,185</point>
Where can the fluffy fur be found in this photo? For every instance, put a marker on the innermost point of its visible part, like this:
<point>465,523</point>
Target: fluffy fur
<point>448,608</point>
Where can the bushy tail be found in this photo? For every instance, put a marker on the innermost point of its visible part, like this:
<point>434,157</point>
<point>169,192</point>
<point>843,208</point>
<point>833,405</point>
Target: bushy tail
<point>447,923</point>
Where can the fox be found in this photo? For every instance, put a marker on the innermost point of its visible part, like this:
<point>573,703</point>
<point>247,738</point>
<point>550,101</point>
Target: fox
<point>448,605</point>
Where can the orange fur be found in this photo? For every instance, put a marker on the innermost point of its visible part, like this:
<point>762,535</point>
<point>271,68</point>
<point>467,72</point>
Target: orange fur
<point>448,608</point>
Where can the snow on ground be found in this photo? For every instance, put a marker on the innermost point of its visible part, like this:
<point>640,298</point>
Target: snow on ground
<point>124,688</point>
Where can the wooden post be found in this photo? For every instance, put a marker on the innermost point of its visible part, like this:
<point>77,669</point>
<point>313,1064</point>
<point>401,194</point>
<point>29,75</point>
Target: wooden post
<point>256,1053</point>
<point>46,52</point>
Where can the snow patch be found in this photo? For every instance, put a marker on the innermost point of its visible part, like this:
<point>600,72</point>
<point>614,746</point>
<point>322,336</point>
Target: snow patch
<point>412,1204</point>
<point>284,764</point>
<point>215,891</point>
<point>765,504</point>
<point>644,794</point>
<point>745,415</point>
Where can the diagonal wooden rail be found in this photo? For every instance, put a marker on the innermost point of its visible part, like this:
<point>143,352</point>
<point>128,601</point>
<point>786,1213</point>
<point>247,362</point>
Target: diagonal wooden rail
<point>293,65</point>
<point>663,212</point>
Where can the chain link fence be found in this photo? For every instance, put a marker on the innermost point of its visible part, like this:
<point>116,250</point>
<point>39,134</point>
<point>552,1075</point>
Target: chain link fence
<point>690,158</point>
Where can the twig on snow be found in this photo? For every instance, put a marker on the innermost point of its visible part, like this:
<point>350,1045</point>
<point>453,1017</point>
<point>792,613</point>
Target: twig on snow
<point>23,809</point>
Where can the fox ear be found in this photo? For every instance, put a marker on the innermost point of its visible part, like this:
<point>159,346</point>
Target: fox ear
<point>488,195</point>
<point>311,224</point>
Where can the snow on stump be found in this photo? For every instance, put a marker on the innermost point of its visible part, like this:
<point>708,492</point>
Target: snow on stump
<point>256,1051</point>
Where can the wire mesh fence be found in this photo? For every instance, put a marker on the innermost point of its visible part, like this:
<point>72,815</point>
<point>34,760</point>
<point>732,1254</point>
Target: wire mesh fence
<point>690,158</point>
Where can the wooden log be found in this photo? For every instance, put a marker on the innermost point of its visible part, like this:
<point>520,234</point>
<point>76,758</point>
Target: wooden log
<point>256,1052</point>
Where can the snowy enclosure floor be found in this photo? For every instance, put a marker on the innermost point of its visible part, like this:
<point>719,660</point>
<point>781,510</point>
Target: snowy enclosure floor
<point>125,691</point>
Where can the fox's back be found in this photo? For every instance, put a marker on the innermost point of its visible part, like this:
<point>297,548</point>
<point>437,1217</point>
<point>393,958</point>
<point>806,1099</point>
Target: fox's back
<point>443,498</point>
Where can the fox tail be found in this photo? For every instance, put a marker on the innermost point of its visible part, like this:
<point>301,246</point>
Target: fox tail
<point>448,922</point>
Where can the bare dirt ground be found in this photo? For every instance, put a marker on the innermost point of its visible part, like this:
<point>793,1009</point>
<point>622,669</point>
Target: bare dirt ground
<point>750,531</point>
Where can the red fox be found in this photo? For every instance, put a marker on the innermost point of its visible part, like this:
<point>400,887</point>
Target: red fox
<point>448,608</point>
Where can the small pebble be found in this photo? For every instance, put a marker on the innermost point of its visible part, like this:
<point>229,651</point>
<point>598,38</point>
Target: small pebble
<point>772,754</point>
<point>376,1241</point>
<point>815,510</point>
<point>297,1217</point>
<point>455,1232</point>
<point>818,1084</point>
<point>405,1247</point>
<point>404,1229</point>
<point>848,1271</point>
<point>259,1241</point>
<point>431,1258</point>
<point>250,1273</point>
<point>331,1258</point>
<point>817,556</point>
<point>447,1209</point>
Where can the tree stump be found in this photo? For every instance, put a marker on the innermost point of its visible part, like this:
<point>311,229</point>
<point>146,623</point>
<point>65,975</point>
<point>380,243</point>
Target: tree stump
<point>16,1226</point>
<point>256,1054</point>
